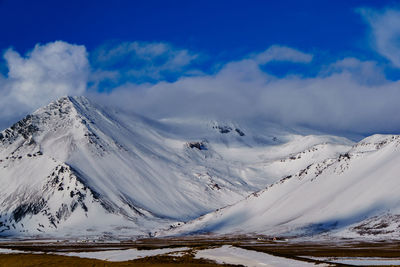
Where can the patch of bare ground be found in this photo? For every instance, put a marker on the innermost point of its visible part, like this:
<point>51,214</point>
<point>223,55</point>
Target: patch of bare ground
<point>30,260</point>
<point>328,249</point>
<point>203,241</point>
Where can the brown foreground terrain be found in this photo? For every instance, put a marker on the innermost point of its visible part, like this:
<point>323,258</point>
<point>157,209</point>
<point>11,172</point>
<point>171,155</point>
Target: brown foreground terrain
<point>293,249</point>
<point>23,260</point>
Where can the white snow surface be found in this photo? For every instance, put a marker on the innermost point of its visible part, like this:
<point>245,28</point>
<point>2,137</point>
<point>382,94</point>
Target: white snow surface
<point>233,255</point>
<point>12,251</point>
<point>354,195</point>
<point>361,261</point>
<point>74,168</point>
<point>122,255</point>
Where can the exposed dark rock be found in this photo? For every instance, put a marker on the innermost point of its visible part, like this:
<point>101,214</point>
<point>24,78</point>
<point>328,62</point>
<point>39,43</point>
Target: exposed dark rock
<point>347,155</point>
<point>62,212</point>
<point>216,186</point>
<point>74,205</point>
<point>240,132</point>
<point>28,208</point>
<point>83,205</point>
<point>223,129</point>
<point>198,145</point>
<point>344,156</point>
<point>24,127</point>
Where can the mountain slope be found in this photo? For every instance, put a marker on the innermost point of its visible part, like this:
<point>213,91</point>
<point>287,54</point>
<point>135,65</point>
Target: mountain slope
<point>74,166</point>
<point>352,195</point>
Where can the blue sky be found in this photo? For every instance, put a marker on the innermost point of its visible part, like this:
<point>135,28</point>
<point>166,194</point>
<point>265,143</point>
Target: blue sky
<point>222,29</point>
<point>156,53</point>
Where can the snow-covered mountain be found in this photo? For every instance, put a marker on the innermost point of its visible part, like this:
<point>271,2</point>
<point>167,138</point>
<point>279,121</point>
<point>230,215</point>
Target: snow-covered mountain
<point>353,195</point>
<point>76,168</point>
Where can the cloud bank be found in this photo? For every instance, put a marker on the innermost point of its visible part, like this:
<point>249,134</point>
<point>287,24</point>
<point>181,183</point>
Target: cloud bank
<point>158,80</point>
<point>348,96</point>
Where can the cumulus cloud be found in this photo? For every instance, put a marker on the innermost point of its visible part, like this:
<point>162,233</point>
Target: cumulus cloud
<point>42,75</point>
<point>385,32</point>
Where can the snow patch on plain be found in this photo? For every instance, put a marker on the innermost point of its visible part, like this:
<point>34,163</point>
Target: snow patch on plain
<point>122,255</point>
<point>232,255</point>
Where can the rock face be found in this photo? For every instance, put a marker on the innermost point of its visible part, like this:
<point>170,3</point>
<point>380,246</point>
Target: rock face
<point>62,184</point>
<point>75,168</point>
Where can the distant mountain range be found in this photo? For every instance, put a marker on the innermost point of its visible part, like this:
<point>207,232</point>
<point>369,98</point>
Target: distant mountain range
<point>76,169</point>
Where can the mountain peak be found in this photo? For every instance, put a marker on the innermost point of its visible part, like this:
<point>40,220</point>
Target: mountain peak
<point>63,121</point>
<point>64,104</point>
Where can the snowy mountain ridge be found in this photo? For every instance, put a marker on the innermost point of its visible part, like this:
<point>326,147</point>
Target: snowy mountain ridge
<point>74,167</point>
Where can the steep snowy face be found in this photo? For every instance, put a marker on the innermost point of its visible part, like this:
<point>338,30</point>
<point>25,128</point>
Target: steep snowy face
<point>38,190</point>
<point>73,162</point>
<point>352,195</point>
<point>57,128</point>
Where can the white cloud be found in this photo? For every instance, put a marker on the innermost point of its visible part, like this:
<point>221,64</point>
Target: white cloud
<point>385,32</point>
<point>364,72</point>
<point>349,95</point>
<point>143,60</point>
<point>42,75</point>
<point>338,100</point>
<point>282,53</point>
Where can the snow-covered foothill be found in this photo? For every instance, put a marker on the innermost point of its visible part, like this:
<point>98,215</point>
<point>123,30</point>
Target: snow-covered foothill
<point>353,195</point>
